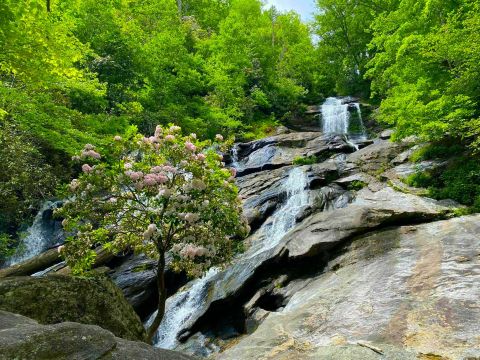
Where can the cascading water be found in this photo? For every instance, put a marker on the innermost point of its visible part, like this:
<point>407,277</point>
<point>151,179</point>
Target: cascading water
<point>343,117</point>
<point>296,187</point>
<point>179,308</point>
<point>39,237</point>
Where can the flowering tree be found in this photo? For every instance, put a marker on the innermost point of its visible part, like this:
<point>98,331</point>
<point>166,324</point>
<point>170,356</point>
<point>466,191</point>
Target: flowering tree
<point>158,194</point>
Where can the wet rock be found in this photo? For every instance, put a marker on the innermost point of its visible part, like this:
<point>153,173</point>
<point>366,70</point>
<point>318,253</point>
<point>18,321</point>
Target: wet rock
<point>281,150</point>
<point>322,231</point>
<point>136,277</point>
<point>409,291</point>
<point>24,338</point>
<point>386,134</point>
<point>54,299</point>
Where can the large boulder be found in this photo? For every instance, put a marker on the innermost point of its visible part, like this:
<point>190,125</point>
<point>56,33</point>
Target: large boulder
<point>281,150</point>
<point>24,338</point>
<point>406,292</point>
<point>54,299</point>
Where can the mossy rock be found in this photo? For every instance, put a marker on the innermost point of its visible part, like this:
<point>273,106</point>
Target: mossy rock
<point>56,299</point>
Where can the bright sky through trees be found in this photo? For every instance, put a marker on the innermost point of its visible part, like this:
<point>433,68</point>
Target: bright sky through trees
<point>304,7</point>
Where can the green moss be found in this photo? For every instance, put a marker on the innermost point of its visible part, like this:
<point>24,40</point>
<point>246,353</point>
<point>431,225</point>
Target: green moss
<point>308,160</point>
<point>356,185</point>
<point>442,150</point>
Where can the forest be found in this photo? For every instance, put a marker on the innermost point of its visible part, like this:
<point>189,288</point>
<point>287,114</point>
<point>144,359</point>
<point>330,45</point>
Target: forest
<point>74,72</point>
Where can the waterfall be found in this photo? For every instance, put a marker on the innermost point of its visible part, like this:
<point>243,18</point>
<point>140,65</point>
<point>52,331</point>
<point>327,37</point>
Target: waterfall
<point>38,237</point>
<point>343,117</point>
<point>285,218</point>
<point>179,308</point>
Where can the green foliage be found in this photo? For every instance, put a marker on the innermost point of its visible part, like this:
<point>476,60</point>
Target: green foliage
<point>425,70</point>
<point>308,160</point>
<point>460,181</point>
<point>6,246</point>
<point>25,178</point>
<point>356,185</point>
<point>441,150</point>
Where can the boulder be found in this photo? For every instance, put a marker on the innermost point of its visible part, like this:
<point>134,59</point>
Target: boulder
<point>408,292</point>
<point>281,150</point>
<point>54,299</point>
<point>24,338</point>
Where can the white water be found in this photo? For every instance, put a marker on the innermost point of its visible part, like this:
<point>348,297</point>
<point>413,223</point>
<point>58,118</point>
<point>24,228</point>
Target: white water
<point>179,308</point>
<point>336,119</point>
<point>285,218</point>
<point>36,241</point>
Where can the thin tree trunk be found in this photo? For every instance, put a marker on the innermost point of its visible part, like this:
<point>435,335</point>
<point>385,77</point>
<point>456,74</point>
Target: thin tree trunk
<point>48,6</point>
<point>162,297</point>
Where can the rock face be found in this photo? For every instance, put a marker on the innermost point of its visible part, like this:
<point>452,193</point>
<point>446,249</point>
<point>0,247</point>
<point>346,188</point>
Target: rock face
<point>405,290</point>
<point>24,338</point>
<point>54,299</point>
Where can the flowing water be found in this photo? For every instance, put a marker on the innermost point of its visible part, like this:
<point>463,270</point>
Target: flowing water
<point>285,218</point>
<point>343,117</point>
<point>179,308</point>
<point>38,237</point>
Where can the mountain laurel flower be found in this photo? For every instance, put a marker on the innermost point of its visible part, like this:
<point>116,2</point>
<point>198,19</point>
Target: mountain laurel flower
<point>135,175</point>
<point>117,138</point>
<point>74,184</point>
<point>75,158</point>
<point>91,153</point>
<point>150,179</point>
<point>189,146</point>
<point>127,166</point>
<point>201,157</point>
<point>156,169</point>
<point>193,135</point>
<point>89,147</point>
<point>60,249</point>
<point>233,171</point>
<point>165,193</point>
<point>198,184</point>
<point>170,138</point>
<point>175,128</point>
<point>169,169</point>
<point>219,137</point>
<point>192,218</point>
<point>87,168</point>
<point>191,251</point>
<point>158,131</point>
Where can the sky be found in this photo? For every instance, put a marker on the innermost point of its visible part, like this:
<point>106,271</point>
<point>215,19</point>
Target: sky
<point>304,7</point>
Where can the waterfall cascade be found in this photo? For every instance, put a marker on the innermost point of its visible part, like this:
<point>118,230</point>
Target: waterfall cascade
<point>43,233</point>
<point>344,117</point>
<point>181,306</point>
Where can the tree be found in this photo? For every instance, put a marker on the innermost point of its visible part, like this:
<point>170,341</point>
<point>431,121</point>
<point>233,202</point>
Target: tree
<point>165,193</point>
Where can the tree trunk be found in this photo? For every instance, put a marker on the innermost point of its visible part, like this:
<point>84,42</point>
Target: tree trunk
<point>48,6</point>
<point>179,6</point>
<point>162,298</point>
<point>30,266</point>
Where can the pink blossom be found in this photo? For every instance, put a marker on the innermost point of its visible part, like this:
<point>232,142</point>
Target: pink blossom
<point>233,171</point>
<point>219,137</point>
<point>153,139</point>
<point>201,157</point>
<point>135,175</point>
<point>150,179</point>
<point>162,179</point>
<point>156,169</point>
<point>75,158</point>
<point>170,138</point>
<point>146,140</point>
<point>158,131</point>
<point>191,251</point>
<point>89,147</point>
<point>170,169</point>
<point>91,153</point>
<point>189,146</point>
<point>127,166</point>
<point>87,168</point>
<point>117,138</point>
<point>175,128</point>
